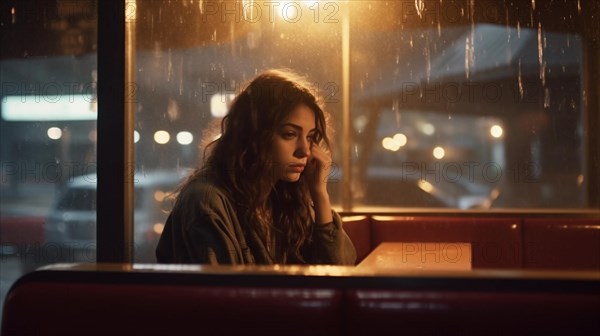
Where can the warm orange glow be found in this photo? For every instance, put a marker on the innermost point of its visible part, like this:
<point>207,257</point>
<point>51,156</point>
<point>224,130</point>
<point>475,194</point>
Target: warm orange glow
<point>439,153</point>
<point>130,10</point>
<point>496,131</point>
<point>159,195</point>
<point>425,186</point>
<point>158,228</point>
<point>162,137</point>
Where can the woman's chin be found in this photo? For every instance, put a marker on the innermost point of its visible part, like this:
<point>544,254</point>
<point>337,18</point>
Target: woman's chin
<point>291,177</point>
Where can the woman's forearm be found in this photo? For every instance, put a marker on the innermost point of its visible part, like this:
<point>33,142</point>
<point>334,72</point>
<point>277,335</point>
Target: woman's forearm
<point>322,208</point>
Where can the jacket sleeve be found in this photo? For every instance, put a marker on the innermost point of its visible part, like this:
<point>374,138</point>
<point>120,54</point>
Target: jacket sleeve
<point>209,241</point>
<point>331,245</point>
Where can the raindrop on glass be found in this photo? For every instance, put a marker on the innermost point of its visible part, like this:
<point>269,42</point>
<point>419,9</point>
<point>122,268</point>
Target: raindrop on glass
<point>420,6</point>
<point>520,81</point>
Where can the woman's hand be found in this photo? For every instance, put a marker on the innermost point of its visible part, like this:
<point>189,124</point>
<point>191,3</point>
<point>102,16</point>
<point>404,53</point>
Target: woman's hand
<point>317,170</point>
<point>316,175</point>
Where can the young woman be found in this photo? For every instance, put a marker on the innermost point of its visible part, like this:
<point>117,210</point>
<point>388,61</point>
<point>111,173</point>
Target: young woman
<point>261,196</point>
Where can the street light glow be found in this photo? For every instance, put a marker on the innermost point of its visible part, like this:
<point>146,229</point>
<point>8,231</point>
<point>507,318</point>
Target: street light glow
<point>496,131</point>
<point>162,137</point>
<point>185,138</point>
<point>54,133</point>
<point>439,152</point>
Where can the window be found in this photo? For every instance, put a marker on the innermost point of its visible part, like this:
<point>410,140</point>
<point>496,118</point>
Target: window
<point>478,111</point>
<point>48,112</point>
<point>191,60</point>
<point>455,105</point>
<point>462,105</point>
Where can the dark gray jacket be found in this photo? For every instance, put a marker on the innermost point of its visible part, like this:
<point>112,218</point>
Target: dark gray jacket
<point>209,232</point>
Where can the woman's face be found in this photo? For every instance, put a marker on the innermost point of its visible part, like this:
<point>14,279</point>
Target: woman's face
<point>292,143</point>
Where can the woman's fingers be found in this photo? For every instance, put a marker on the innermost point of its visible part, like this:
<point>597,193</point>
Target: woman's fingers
<point>319,154</point>
<point>318,172</point>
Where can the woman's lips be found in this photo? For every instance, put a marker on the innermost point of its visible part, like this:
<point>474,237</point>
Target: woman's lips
<point>297,168</point>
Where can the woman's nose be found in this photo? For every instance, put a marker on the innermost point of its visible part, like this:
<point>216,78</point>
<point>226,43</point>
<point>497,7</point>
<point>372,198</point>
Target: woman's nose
<point>303,149</point>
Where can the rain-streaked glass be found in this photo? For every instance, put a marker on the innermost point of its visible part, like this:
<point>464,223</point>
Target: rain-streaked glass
<point>48,113</point>
<point>454,105</point>
<point>193,57</point>
<point>463,105</point>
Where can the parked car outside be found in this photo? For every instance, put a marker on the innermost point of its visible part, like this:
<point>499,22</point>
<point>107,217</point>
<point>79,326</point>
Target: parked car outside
<point>70,229</point>
<point>419,192</point>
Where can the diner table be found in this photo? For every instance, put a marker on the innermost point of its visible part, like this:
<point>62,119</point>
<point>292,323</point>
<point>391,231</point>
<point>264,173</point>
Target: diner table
<point>418,256</point>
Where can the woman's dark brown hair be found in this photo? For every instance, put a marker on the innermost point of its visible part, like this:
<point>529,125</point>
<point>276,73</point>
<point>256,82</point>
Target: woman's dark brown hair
<point>239,159</point>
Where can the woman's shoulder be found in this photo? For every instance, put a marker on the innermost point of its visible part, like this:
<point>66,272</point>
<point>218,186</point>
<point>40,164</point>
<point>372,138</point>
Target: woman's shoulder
<point>201,203</point>
<point>205,192</point>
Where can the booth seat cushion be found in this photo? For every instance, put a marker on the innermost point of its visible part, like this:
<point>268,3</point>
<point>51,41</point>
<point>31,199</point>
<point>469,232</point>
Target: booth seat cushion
<point>495,242</point>
<point>562,243</point>
<point>359,230</point>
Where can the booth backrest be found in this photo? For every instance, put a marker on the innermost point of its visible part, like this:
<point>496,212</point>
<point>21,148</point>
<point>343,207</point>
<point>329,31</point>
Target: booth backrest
<point>501,242</point>
<point>358,229</point>
<point>208,302</point>
<point>127,307</point>
<point>436,312</point>
<point>563,243</point>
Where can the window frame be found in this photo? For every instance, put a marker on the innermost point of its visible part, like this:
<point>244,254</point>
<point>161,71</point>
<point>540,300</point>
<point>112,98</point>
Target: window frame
<point>114,199</point>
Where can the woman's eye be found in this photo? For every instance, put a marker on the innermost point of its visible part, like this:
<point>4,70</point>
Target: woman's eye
<point>289,135</point>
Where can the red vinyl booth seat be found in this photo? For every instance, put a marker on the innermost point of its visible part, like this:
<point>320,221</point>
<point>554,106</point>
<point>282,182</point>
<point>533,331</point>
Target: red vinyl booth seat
<point>94,308</point>
<point>560,243</point>
<point>119,300</point>
<point>439,312</point>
